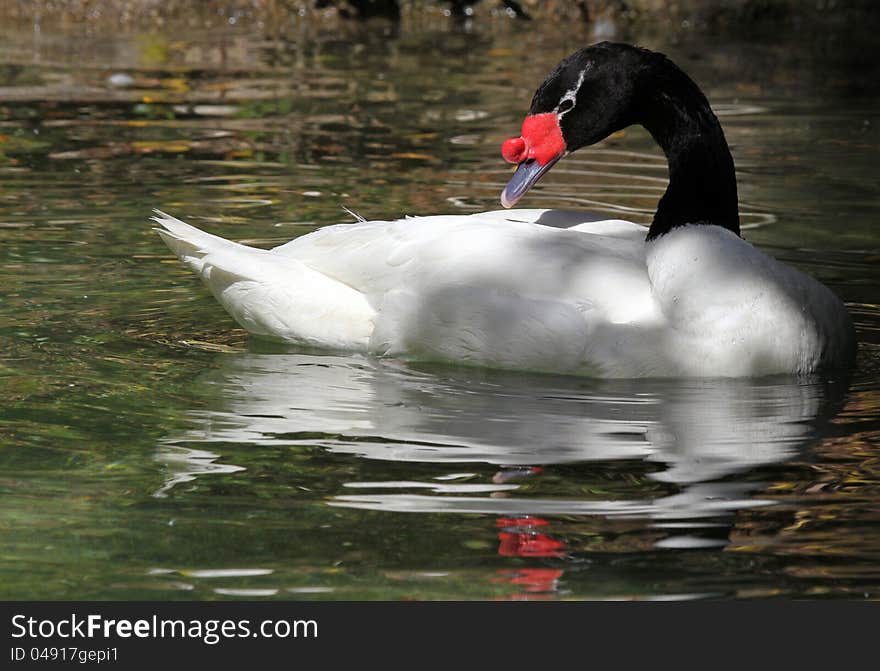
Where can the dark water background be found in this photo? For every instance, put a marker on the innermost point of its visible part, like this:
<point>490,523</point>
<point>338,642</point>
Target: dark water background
<point>149,450</point>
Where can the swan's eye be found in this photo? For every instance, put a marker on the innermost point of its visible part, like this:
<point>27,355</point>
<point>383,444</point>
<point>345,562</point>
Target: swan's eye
<point>565,105</point>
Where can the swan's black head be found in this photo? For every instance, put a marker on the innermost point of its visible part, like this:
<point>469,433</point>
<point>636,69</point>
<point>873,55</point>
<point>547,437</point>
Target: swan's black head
<point>588,96</point>
<point>606,87</point>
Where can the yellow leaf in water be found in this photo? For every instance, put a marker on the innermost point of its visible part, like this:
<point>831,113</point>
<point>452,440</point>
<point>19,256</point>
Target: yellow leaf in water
<point>410,154</point>
<point>147,146</point>
<point>153,49</point>
<point>176,83</point>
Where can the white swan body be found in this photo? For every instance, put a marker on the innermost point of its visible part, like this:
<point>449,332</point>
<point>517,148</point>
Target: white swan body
<point>549,290</point>
<point>500,289</point>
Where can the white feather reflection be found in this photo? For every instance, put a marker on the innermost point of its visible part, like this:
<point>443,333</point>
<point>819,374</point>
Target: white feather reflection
<point>701,431</point>
<point>184,464</point>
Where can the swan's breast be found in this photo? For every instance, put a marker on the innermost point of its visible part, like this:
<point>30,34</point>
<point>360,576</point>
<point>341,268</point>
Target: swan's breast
<point>733,310</point>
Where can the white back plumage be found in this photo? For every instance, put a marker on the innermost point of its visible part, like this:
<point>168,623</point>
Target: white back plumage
<point>501,289</point>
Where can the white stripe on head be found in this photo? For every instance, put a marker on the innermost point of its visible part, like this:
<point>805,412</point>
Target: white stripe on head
<point>571,94</point>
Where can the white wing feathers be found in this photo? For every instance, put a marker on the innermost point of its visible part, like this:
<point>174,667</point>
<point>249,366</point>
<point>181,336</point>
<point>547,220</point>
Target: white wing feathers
<point>270,294</point>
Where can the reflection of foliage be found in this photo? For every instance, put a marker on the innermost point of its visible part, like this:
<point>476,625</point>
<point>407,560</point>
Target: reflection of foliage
<point>363,9</point>
<point>148,14</point>
<point>814,502</point>
<point>20,143</point>
<point>153,49</point>
<point>153,111</point>
<point>390,9</point>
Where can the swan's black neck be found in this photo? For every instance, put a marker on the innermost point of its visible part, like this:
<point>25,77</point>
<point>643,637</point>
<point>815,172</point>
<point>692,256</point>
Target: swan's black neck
<point>702,179</point>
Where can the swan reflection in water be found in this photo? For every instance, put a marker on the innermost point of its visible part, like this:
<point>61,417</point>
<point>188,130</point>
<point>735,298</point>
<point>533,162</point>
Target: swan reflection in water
<point>697,434</point>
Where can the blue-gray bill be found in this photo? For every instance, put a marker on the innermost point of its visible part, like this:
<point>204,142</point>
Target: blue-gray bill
<point>526,175</point>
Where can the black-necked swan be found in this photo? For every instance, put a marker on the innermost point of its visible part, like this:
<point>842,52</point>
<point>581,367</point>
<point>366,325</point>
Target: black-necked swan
<point>689,298</point>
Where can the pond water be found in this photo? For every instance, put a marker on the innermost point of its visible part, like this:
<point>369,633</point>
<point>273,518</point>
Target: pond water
<point>150,450</point>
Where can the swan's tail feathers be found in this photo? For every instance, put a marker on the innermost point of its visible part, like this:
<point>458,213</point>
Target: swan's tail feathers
<point>218,261</point>
<point>271,294</point>
<point>190,244</point>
